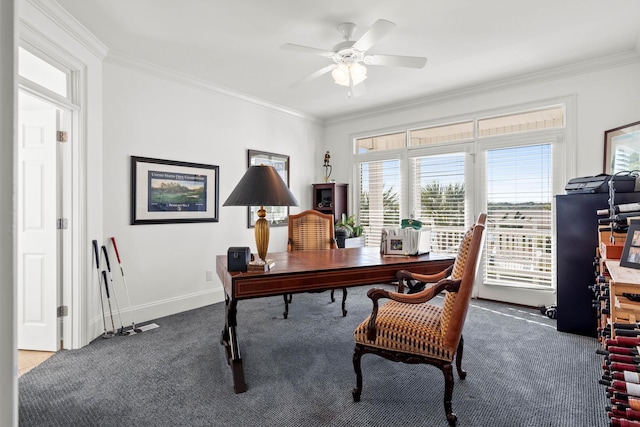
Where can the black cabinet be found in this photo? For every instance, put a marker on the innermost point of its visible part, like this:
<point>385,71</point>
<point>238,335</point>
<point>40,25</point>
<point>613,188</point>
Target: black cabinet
<point>577,240</point>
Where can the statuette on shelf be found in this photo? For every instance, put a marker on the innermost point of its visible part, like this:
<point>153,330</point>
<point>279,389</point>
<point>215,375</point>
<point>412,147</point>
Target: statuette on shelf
<point>327,166</point>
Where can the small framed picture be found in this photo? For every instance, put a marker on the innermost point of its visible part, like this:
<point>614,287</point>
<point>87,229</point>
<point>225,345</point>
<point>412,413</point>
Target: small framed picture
<point>631,252</point>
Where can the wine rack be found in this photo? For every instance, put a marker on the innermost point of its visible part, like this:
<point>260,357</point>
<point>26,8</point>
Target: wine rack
<point>617,300</point>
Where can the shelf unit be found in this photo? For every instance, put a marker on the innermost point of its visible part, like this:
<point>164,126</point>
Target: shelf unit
<point>330,198</point>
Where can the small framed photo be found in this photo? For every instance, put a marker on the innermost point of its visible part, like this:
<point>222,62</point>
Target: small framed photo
<point>631,252</point>
<point>622,149</point>
<point>278,216</point>
<point>167,191</point>
<point>396,246</point>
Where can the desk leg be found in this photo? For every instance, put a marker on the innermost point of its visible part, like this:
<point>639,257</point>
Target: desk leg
<point>229,340</point>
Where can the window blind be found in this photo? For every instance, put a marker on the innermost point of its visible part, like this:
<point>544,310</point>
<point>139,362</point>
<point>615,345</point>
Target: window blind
<point>380,198</point>
<point>519,232</point>
<point>438,192</point>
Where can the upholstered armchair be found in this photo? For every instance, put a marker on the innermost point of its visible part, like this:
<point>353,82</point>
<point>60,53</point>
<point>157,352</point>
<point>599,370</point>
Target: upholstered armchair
<point>408,329</point>
<point>311,230</point>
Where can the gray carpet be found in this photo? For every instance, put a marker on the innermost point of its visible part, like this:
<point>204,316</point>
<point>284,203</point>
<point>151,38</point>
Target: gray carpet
<point>521,372</point>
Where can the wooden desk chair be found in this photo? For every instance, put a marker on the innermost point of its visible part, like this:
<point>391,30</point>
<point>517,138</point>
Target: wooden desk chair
<point>407,329</point>
<point>311,230</point>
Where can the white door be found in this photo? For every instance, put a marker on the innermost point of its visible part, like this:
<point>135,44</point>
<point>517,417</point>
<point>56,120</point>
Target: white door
<point>36,226</point>
<point>517,193</point>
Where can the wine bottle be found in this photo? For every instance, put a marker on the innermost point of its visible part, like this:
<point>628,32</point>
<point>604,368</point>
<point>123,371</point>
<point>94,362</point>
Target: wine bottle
<point>621,422</point>
<point>617,366</point>
<point>631,351</point>
<point>622,208</point>
<point>630,389</point>
<point>614,341</point>
<point>626,341</point>
<point>627,413</point>
<point>624,358</point>
<point>618,325</point>
<point>627,332</point>
<point>622,403</point>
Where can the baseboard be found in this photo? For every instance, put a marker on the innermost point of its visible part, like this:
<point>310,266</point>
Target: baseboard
<point>157,309</point>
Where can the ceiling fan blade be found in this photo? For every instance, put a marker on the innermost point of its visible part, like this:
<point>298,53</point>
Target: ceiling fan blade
<point>315,74</point>
<point>307,49</point>
<point>377,31</point>
<point>396,61</point>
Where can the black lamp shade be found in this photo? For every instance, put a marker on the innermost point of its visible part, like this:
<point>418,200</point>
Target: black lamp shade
<point>261,186</point>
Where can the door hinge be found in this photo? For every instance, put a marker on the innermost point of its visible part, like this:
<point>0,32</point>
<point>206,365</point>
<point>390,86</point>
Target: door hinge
<point>62,224</point>
<point>62,136</point>
<point>63,311</point>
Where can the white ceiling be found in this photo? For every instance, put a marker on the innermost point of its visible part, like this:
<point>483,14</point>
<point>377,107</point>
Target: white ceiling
<point>235,44</point>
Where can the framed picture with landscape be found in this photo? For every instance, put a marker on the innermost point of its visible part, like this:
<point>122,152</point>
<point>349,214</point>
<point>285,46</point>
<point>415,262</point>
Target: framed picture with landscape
<point>167,191</point>
<point>622,149</point>
<point>631,252</point>
<point>278,216</point>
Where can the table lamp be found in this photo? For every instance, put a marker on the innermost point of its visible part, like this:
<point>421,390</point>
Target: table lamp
<point>261,186</point>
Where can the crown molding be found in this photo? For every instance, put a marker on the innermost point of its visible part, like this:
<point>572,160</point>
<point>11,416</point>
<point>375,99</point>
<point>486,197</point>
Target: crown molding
<point>65,21</point>
<point>574,69</point>
<point>158,71</point>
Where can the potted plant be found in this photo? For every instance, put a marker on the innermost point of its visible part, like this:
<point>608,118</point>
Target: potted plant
<point>348,228</point>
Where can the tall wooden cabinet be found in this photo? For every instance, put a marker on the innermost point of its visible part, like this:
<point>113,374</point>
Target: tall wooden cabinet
<point>330,198</point>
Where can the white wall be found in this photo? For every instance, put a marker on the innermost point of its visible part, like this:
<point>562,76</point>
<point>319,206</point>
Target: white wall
<point>604,98</point>
<point>152,116</point>
<point>8,362</point>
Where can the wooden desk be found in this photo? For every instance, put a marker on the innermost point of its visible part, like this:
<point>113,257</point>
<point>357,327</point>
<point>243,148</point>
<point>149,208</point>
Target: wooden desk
<point>304,271</point>
<point>623,280</point>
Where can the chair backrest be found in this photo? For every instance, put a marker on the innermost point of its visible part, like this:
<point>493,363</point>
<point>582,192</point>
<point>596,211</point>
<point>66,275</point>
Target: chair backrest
<point>310,230</point>
<point>454,308</point>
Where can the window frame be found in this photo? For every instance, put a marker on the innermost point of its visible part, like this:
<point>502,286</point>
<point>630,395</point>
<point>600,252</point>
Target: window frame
<point>561,138</point>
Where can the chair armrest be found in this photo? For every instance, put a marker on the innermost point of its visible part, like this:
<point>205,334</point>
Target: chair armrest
<point>423,296</point>
<point>404,275</point>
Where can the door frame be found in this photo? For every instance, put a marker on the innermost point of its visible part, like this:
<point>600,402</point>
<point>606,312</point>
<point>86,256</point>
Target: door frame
<point>74,325</point>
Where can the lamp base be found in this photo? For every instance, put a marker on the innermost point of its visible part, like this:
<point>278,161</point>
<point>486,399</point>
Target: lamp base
<point>260,265</point>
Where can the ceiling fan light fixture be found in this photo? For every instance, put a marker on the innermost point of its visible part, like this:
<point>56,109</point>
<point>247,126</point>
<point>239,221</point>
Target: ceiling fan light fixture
<point>341,74</point>
<point>358,72</point>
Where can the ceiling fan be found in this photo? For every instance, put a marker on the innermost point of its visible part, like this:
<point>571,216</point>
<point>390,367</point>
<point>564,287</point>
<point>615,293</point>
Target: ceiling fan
<point>350,57</point>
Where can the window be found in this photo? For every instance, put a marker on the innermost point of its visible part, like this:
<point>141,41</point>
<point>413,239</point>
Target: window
<point>445,133</point>
<point>42,73</point>
<point>380,201</point>
<point>519,233</point>
<point>551,117</point>
<point>502,164</point>
<point>439,197</point>
<point>381,143</point>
